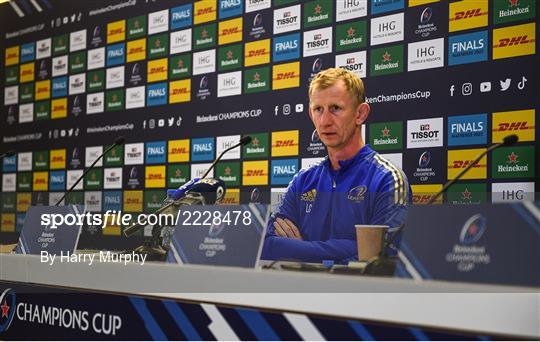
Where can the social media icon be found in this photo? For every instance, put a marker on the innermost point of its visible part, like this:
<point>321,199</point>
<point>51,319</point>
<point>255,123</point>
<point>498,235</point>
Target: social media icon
<point>505,84</point>
<point>485,87</point>
<point>452,89</point>
<point>161,123</point>
<point>521,85</point>
<point>299,108</point>
<point>170,121</point>
<point>151,123</point>
<point>466,89</point>
<point>144,124</point>
<point>179,121</point>
<point>276,109</point>
<point>286,109</point>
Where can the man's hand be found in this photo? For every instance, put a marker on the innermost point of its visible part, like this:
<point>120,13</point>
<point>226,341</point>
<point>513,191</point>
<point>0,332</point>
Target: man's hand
<point>285,228</point>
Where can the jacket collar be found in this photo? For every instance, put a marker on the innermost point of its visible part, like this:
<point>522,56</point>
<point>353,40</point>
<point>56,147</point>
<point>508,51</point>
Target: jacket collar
<point>364,152</point>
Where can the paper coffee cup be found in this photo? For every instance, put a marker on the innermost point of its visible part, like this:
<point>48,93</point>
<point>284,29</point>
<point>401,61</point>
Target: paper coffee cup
<point>370,240</point>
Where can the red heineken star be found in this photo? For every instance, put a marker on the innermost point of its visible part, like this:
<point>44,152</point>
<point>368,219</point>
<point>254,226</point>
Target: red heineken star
<point>256,77</point>
<point>512,158</point>
<point>466,195</point>
<point>318,9</point>
<point>385,132</point>
<point>350,32</point>
<point>386,57</point>
<point>255,142</point>
<point>513,3</point>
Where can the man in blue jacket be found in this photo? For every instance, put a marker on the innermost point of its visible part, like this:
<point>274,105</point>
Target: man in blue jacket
<point>353,185</point>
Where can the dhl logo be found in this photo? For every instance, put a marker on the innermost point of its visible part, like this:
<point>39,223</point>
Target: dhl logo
<point>179,92</point>
<point>461,164</point>
<point>285,143</point>
<point>42,90</point>
<point>229,31</point>
<point>513,126</point>
<point>40,181</point>
<point>229,200</point>
<point>255,173</point>
<point>417,199</point>
<point>179,150</point>
<point>116,31</point>
<point>8,221</point>
<point>135,50</point>
<point>59,108</point>
<point>24,202</point>
<point>133,201</point>
<point>12,55</point>
<point>57,159</point>
<point>153,176</point>
<point>286,75</point>
<point>256,53</point>
<point>27,72</point>
<point>203,11</point>
<point>477,12</point>
<point>157,70</point>
<point>518,40</point>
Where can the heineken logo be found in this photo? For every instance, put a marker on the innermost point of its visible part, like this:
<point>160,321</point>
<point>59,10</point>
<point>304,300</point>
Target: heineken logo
<point>317,14</point>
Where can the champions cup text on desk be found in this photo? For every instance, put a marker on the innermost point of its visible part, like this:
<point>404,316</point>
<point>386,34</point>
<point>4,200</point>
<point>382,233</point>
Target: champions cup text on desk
<point>102,257</point>
<point>316,218</point>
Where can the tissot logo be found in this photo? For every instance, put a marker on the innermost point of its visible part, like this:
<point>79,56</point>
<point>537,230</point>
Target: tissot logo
<point>156,94</point>
<point>8,185</point>
<point>256,5</point>
<point>95,103</point>
<point>158,21</point>
<point>286,47</point>
<point>92,200</point>
<point>24,161</point>
<point>77,84</point>
<point>116,54</point>
<point>133,154</point>
<point>77,40</point>
<point>426,54</point>
<point>355,62</point>
<point>468,48</point>
<point>425,133</point>
<point>350,9</point>
<point>287,19</point>
<point>318,42</point>
<point>230,84</point>
<point>181,41</point>
<point>204,62</point>
<point>43,48</point>
<point>181,16</point>
<point>387,29</point>
<point>59,66</point>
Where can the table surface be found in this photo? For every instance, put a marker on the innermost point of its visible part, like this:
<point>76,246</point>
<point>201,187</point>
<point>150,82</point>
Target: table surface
<point>469,307</point>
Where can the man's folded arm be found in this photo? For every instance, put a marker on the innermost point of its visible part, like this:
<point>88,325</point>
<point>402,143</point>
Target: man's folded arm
<point>282,248</point>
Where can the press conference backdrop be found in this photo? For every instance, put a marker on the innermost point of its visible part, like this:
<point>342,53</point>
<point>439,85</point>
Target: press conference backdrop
<point>183,81</point>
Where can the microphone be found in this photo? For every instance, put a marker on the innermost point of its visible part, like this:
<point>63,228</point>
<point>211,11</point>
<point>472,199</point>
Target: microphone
<point>507,141</point>
<point>204,192</point>
<point>244,141</point>
<point>9,153</point>
<point>118,141</point>
<point>192,199</point>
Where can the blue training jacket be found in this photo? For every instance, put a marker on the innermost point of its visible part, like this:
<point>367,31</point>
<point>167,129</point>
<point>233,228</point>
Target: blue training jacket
<point>326,204</point>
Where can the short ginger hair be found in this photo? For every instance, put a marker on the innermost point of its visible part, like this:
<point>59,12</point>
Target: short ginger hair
<point>328,77</point>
